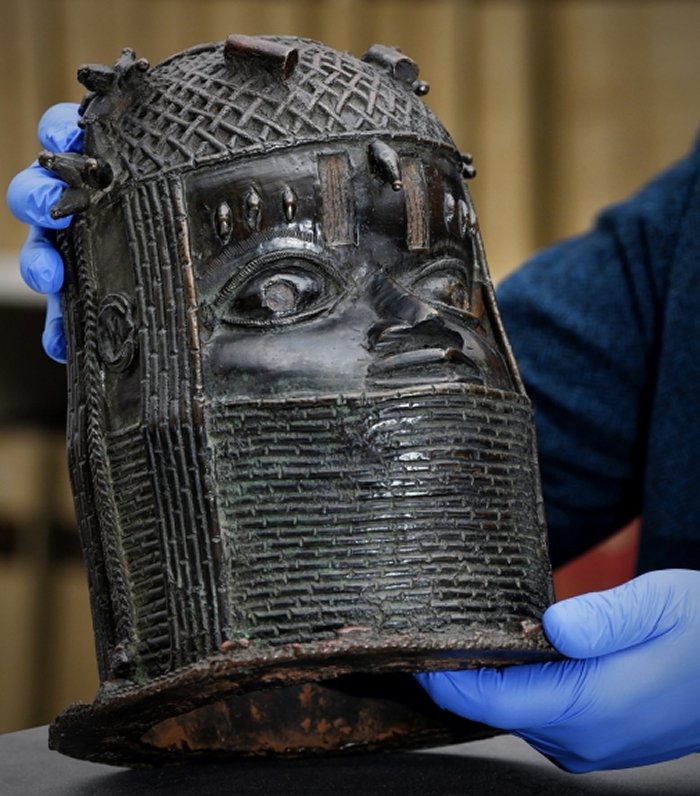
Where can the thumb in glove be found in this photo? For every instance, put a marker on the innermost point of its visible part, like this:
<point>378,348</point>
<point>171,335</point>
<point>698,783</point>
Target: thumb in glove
<point>629,692</point>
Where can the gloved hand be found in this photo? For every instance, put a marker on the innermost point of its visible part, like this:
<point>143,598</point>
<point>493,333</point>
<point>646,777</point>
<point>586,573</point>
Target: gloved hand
<point>628,695</point>
<point>30,196</point>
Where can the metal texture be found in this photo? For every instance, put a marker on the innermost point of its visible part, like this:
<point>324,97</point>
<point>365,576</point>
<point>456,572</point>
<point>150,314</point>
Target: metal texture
<point>302,457</point>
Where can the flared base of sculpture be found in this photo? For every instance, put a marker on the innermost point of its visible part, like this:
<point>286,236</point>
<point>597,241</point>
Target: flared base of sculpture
<point>350,694</point>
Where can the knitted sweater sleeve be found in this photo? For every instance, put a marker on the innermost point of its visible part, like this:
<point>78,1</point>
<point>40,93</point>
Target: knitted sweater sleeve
<point>585,319</point>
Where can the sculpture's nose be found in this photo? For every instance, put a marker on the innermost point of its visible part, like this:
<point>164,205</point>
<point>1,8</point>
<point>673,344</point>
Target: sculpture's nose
<point>394,304</point>
<point>412,343</point>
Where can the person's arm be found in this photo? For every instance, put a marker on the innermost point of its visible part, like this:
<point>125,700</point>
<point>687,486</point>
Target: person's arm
<point>585,319</point>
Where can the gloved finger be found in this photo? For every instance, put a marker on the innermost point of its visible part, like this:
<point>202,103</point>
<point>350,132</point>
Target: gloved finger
<point>58,128</point>
<point>53,338</point>
<point>601,623</point>
<point>509,698</point>
<point>31,195</point>
<point>40,263</point>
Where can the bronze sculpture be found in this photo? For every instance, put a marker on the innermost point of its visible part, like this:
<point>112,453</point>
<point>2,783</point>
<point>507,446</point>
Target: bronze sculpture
<point>302,456</point>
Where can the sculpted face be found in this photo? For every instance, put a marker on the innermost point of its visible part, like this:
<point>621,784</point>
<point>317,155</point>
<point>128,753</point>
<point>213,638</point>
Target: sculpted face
<point>315,275</point>
<point>351,382</point>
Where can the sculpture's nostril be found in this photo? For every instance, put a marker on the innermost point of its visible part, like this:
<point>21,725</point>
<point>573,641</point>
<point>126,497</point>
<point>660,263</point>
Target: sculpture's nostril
<point>432,332</point>
<point>422,357</point>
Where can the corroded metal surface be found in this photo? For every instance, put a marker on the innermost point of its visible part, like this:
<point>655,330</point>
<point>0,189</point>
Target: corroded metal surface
<point>302,457</point>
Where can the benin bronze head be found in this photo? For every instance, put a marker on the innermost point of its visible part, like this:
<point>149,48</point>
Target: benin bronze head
<point>302,456</point>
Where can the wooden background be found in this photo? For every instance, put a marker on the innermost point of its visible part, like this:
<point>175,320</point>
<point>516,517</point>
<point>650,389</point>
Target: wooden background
<point>565,104</point>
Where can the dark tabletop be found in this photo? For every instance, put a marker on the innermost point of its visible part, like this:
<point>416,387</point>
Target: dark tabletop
<point>502,766</point>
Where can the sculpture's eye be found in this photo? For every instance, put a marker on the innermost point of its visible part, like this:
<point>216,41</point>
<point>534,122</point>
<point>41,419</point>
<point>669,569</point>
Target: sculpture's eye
<point>445,282</point>
<point>278,291</point>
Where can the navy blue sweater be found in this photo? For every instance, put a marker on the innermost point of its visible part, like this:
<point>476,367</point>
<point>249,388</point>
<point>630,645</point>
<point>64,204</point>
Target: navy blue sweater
<point>606,330</point>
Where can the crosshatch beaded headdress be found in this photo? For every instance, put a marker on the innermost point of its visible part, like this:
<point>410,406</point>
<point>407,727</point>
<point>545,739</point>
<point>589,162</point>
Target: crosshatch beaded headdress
<point>302,457</point>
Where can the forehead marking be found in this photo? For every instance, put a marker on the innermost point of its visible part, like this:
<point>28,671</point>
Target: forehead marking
<point>415,191</point>
<point>289,202</point>
<point>338,206</point>
<point>223,222</point>
<point>253,208</point>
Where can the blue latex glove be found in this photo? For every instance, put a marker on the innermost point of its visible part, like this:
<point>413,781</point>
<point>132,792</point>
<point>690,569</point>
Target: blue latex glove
<point>630,695</point>
<point>30,196</point>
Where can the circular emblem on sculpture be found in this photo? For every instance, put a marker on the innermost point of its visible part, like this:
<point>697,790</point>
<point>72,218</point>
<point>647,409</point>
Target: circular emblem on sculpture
<point>115,332</point>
